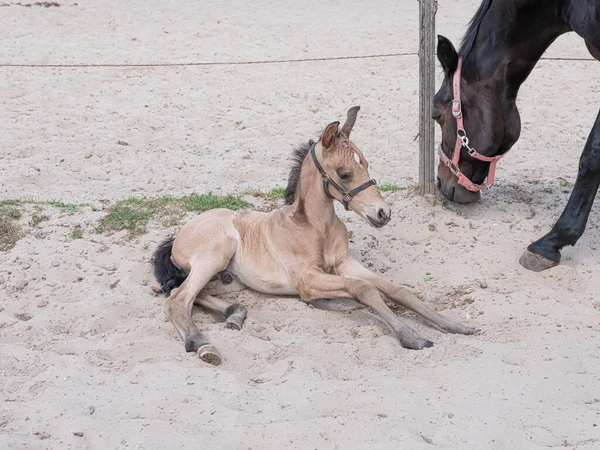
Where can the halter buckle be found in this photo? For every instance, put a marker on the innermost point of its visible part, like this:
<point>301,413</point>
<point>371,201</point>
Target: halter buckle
<point>456,108</point>
<point>453,168</point>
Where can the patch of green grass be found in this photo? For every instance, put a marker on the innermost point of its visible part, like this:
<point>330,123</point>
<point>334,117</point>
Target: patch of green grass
<point>394,187</point>
<point>204,202</point>
<point>10,202</point>
<point>62,205</point>
<point>133,214</point>
<point>11,212</point>
<point>389,187</point>
<point>57,204</point>
<point>122,216</point>
<point>36,219</point>
<point>273,194</point>
<point>564,183</point>
<point>278,192</point>
<point>548,190</point>
<point>10,231</point>
<point>77,232</point>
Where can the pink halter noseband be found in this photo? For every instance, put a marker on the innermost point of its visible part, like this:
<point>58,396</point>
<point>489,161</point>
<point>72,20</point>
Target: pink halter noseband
<point>463,141</point>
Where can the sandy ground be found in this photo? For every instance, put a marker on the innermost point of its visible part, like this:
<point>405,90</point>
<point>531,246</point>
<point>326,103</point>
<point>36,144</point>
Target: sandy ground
<point>87,360</point>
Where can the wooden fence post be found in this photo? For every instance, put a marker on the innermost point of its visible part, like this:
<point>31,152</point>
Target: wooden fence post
<point>427,9</point>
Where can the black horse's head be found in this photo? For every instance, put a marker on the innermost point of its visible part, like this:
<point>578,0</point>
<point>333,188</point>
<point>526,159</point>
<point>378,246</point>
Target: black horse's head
<point>490,119</point>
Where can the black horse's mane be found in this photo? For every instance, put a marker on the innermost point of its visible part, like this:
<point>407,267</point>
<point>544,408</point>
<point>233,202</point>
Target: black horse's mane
<point>473,28</point>
<point>298,156</point>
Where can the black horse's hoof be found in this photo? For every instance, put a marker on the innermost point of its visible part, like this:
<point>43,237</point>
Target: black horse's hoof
<point>536,263</point>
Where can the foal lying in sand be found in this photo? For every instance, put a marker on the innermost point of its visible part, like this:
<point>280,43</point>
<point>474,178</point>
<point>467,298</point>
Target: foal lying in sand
<point>299,249</point>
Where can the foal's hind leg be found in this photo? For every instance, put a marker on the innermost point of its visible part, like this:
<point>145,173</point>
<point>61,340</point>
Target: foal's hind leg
<point>223,276</point>
<point>402,296</point>
<point>179,310</point>
<point>216,287</point>
<point>235,313</point>
<point>206,261</point>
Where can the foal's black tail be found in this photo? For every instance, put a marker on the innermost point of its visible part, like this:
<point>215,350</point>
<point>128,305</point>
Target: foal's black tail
<point>167,274</point>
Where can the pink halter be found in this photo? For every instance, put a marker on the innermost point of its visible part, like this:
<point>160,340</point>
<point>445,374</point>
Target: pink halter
<point>463,141</point>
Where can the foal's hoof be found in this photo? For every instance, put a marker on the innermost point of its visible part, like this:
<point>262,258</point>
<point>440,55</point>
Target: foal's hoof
<point>226,277</point>
<point>535,262</point>
<point>234,323</point>
<point>418,344</point>
<point>209,354</point>
<point>467,330</point>
<point>192,344</point>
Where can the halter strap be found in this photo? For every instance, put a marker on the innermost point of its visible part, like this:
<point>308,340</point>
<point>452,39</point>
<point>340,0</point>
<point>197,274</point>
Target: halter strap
<point>346,196</point>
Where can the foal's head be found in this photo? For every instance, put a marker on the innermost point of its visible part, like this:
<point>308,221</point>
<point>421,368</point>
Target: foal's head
<point>344,172</point>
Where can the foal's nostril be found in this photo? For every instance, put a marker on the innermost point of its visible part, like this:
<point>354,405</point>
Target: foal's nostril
<point>382,215</point>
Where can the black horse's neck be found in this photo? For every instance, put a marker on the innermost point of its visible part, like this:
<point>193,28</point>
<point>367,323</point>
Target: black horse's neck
<point>506,39</point>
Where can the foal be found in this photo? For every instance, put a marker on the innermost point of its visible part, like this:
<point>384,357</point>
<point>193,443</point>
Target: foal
<point>299,249</point>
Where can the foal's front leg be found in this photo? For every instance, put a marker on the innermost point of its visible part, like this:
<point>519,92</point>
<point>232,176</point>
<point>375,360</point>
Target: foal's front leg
<point>315,285</point>
<point>545,252</point>
<point>402,296</point>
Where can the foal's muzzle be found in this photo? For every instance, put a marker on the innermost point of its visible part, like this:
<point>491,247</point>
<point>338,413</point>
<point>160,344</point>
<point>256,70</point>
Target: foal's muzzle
<point>378,217</point>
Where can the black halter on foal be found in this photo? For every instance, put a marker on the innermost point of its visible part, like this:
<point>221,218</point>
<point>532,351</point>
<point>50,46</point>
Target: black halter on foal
<point>346,196</point>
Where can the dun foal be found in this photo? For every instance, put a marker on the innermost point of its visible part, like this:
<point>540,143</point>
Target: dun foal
<point>299,249</point>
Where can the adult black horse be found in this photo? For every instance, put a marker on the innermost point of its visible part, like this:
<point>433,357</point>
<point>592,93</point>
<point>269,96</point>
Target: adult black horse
<point>476,105</point>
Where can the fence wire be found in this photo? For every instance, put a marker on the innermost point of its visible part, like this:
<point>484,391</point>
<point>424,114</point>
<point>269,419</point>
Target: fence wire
<point>247,63</point>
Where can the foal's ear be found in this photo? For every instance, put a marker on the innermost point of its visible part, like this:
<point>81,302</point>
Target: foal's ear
<point>330,134</point>
<point>350,120</point>
<point>447,55</point>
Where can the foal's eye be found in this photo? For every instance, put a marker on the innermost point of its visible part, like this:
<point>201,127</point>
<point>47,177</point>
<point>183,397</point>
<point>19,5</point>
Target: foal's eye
<point>344,176</point>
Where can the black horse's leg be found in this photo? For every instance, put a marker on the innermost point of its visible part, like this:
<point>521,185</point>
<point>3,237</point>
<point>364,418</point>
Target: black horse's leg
<point>594,51</point>
<point>545,252</point>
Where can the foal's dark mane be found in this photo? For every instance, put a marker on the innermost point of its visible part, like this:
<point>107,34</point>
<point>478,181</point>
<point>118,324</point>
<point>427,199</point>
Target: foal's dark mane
<point>473,28</point>
<point>298,156</point>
